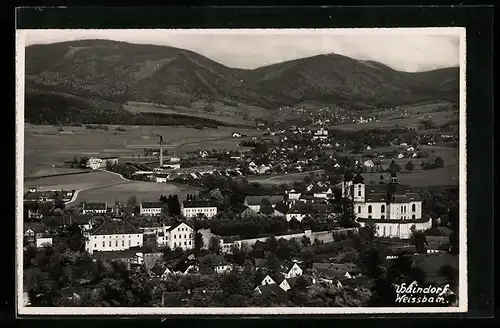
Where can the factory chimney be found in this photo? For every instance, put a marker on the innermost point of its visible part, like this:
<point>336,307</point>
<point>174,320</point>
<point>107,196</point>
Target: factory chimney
<point>161,151</point>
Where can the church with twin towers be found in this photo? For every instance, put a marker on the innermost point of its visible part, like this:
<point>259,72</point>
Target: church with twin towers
<point>393,207</point>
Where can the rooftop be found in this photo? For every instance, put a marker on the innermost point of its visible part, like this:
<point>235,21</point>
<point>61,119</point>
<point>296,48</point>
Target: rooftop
<point>198,203</point>
<point>257,200</point>
<point>112,227</point>
<point>94,206</point>
<point>152,204</point>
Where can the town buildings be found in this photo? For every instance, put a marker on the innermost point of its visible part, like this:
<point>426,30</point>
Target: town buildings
<point>194,208</point>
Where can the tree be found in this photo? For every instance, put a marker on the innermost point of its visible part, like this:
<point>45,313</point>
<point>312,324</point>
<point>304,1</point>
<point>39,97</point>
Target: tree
<point>214,245</point>
<point>394,166</point>
<point>293,224</point>
<point>198,243</point>
<point>273,266</point>
<point>409,166</point>
<point>439,162</point>
<point>174,206</point>
<point>419,240</point>
<point>266,207</point>
<point>306,241</point>
<point>370,230</point>
<point>132,201</point>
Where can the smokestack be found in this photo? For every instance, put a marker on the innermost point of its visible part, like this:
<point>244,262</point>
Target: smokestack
<point>161,151</point>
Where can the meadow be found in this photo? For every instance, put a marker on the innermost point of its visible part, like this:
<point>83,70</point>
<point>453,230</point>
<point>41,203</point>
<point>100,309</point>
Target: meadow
<point>445,176</point>
<point>92,179</point>
<point>232,114</point>
<point>45,146</point>
<point>439,113</point>
<point>144,191</point>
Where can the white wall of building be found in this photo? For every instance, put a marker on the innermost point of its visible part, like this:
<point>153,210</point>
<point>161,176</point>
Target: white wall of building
<point>114,242</point>
<point>43,242</point>
<point>150,211</point>
<point>190,212</point>
<point>181,236</point>
<point>396,230</point>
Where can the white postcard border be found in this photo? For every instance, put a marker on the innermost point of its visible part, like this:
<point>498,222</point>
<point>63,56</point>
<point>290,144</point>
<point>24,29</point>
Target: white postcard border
<point>166,311</point>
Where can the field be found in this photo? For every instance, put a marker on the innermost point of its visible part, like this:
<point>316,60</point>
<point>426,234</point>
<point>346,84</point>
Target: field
<point>445,176</point>
<point>45,146</point>
<point>144,191</point>
<point>107,187</point>
<point>216,111</point>
<point>440,113</point>
<point>75,181</point>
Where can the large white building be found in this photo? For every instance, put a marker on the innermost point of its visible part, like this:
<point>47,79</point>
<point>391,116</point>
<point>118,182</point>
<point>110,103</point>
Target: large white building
<point>150,208</point>
<point>114,235</point>
<point>193,208</point>
<point>180,235</point>
<point>394,208</point>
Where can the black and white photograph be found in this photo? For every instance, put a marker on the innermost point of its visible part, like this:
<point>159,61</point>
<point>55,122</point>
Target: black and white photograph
<point>241,171</point>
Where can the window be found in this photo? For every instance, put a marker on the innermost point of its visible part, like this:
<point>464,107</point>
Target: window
<point>110,243</point>
<point>382,217</point>
<point>359,186</point>
<point>401,209</point>
<point>103,244</point>
<point>413,216</point>
<point>390,231</point>
<point>384,232</point>
<point>413,207</point>
<point>175,236</point>
<point>359,193</point>
<point>369,217</point>
<point>95,245</point>
<point>129,242</point>
<point>382,208</point>
<point>359,209</point>
<point>137,243</point>
<point>175,244</point>
<point>401,218</point>
<point>123,243</point>
<point>116,243</point>
<point>184,243</point>
<point>190,242</point>
<point>369,208</point>
<point>405,209</point>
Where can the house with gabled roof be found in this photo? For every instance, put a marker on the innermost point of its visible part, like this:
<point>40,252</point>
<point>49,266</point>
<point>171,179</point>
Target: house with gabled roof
<point>269,290</point>
<point>34,231</point>
<point>267,281</point>
<point>161,271</point>
<point>254,202</point>
<point>178,235</point>
<point>292,270</point>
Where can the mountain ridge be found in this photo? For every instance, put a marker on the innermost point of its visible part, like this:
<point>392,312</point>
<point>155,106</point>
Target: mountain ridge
<point>121,71</point>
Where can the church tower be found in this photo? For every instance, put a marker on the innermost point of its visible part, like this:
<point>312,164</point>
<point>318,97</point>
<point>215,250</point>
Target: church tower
<point>347,185</point>
<point>359,188</point>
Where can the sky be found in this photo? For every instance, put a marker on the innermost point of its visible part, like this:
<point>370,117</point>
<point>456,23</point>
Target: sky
<point>410,50</point>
